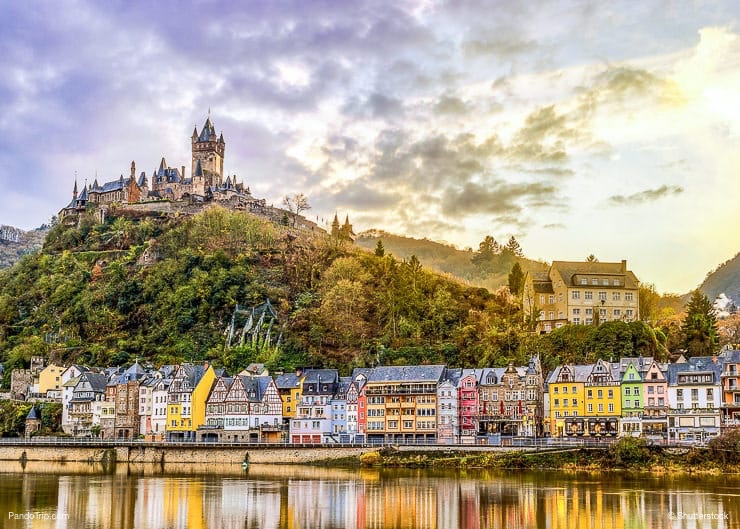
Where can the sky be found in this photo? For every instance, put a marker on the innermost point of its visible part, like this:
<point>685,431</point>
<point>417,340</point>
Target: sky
<point>605,128</point>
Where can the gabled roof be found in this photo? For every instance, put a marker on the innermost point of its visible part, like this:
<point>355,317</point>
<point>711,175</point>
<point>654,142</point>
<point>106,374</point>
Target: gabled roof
<point>695,365</point>
<point>97,381</point>
<point>33,414</point>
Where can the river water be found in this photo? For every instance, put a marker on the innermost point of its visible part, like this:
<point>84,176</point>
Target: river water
<point>77,496</point>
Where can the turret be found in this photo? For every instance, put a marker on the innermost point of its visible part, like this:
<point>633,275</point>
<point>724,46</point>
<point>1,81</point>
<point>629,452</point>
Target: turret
<point>209,149</point>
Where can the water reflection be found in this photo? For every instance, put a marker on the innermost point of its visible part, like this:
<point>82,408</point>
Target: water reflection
<point>264,497</point>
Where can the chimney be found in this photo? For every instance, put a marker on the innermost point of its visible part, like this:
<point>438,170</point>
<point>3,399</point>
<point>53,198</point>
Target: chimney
<point>714,359</point>
<point>298,371</point>
<point>182,169</point>
<point>206,365</point>
<point>624,265</point>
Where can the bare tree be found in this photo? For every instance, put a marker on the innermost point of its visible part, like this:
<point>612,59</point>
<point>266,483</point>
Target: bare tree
<point>296,204</point>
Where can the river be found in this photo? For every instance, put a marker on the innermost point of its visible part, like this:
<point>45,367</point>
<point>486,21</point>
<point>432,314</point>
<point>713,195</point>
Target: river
<point>79,496</point>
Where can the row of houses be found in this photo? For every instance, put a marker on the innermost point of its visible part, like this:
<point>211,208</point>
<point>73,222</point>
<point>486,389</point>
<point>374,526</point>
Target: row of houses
<point>690,400</point>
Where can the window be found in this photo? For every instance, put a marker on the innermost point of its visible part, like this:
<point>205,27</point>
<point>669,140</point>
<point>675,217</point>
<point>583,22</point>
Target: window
<point>565,389</point>
<point>651,390</point>
<point>584,281</point>
<point>605,282</point>
<point>542,315</point>
<point>560,314</point>
<point>574,390</point>
<point>616,282</point>
<point>589,321</point>
<point>611,408</point>
<point>577,320</point>
<point>629,296</point>
<point>555,390</point>
<point>610,393</point>
<point>629,313</point>
<point>628,391</point>
<point>574,402</point>
<point>542,299</point>
<point>594,281</point>
<point>589,311</point>
<point>710,394</point>
<point>552,314</point>
<point>617,313</point>
<point>616,296</point>
<point>557,402</point>
<point>602,296</point>
<point>560,296</point>
<point>600,393</point>
<point>590,408</point>
<point>590,393</point>
<point>679,394</point>
<point>576,294</point>
<point>588,295</point>
<point>576,312</point>
<point>602,313</point>
<point>637,392</point>
<point>601,408</point>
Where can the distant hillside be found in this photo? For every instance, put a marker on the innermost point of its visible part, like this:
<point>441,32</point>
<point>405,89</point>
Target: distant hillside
<point>15,243</point>
<point>445,258</point>
<point>725,279</point>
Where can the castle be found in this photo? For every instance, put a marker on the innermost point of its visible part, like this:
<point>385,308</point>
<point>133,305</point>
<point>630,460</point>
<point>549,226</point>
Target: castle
<point>206,183</point>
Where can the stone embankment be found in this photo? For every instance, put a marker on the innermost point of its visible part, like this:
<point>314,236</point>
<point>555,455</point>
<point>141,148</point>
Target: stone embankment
<point>178,454</point>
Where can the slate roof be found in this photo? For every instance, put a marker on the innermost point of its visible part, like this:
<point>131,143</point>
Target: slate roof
<point>406,374</point>
<point>33,414</point>
<point>255,386</point>
<point>697,364</point>
<point>569,271</point>
<point>287,381</point>
<point>580,373</point>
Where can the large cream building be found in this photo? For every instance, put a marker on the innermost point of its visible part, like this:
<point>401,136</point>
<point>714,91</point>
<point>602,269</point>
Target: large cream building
<point>580,293</point>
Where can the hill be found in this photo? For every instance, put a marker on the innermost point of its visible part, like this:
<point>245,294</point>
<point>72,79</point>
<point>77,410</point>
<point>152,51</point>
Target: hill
<point>447,259</point>
<point>166,289</point>
<point>15,243</point>
<point>725,279</point>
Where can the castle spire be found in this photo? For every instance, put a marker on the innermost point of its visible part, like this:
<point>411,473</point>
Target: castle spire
<point>74,191</point>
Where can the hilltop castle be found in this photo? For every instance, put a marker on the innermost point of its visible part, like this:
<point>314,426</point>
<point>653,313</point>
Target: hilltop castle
<point>206,183</point>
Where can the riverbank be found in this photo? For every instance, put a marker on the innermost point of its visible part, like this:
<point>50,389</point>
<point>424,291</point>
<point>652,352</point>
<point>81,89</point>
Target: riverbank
<point>630,457</point>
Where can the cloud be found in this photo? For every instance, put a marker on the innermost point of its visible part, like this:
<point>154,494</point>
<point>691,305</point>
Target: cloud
<point>502,48</point>
<point>499,198</point>
<point>554,226</point>
<point>451,105</point>
<point>647,195</point>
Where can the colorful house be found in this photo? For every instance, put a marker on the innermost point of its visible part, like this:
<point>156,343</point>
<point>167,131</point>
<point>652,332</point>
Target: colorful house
<point>186,401</point>
<point>312,423</point>
<point>448,430</point>
<point>631,390</point>
<point>602,402</point>
<point>566,389</point>
<point>730,389</point>
<point>694,391</point>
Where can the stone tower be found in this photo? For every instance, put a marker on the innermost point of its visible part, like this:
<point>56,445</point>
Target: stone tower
<point>208,157</point>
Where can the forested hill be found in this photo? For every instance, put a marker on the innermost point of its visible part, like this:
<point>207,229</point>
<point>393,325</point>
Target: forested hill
<point>724,279</point>
<point>15,243</point>
<point>164,290</point>
<point>467,265</point>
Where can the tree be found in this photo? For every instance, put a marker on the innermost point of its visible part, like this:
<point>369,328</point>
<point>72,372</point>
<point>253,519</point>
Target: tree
<point>514,247</point>
<point>296,204</point>
<point>592,259</point>
<point>483,259</point>
<point>379,249</point>
<point>648,302</point>
<point>516,279</point>
<point>699,328</point>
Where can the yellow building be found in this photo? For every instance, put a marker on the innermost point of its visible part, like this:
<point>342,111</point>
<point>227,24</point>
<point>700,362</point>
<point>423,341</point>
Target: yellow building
<point>50,379</point>
<point>603,400</point>
<point>402,403</point>
<point>186,400</point>
<point>290,389</point>
<point>580,293</point>
<point>564,416</point>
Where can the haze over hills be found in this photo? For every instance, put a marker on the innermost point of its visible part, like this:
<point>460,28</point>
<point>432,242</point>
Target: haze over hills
<point>725,279</point>
<point>15,243</point>
<point>447,259</point>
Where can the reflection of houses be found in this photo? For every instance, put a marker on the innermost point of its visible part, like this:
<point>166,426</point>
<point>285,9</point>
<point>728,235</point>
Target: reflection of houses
<point>694,392</point>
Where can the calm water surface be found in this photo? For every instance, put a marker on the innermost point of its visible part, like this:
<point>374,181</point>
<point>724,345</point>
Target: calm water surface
<point>78,496</point>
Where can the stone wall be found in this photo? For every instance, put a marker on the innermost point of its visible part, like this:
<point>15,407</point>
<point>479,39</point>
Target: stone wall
<point>177,455</point>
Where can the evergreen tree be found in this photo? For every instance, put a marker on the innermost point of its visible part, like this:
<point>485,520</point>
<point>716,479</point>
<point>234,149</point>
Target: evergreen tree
<point>513,247</point>
<point>379,249</point>
<point>516,279</point>
<point>699,328</point>
<point>488,249</point>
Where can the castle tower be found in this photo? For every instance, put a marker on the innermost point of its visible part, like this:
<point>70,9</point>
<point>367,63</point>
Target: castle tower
<point>208,152</point>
